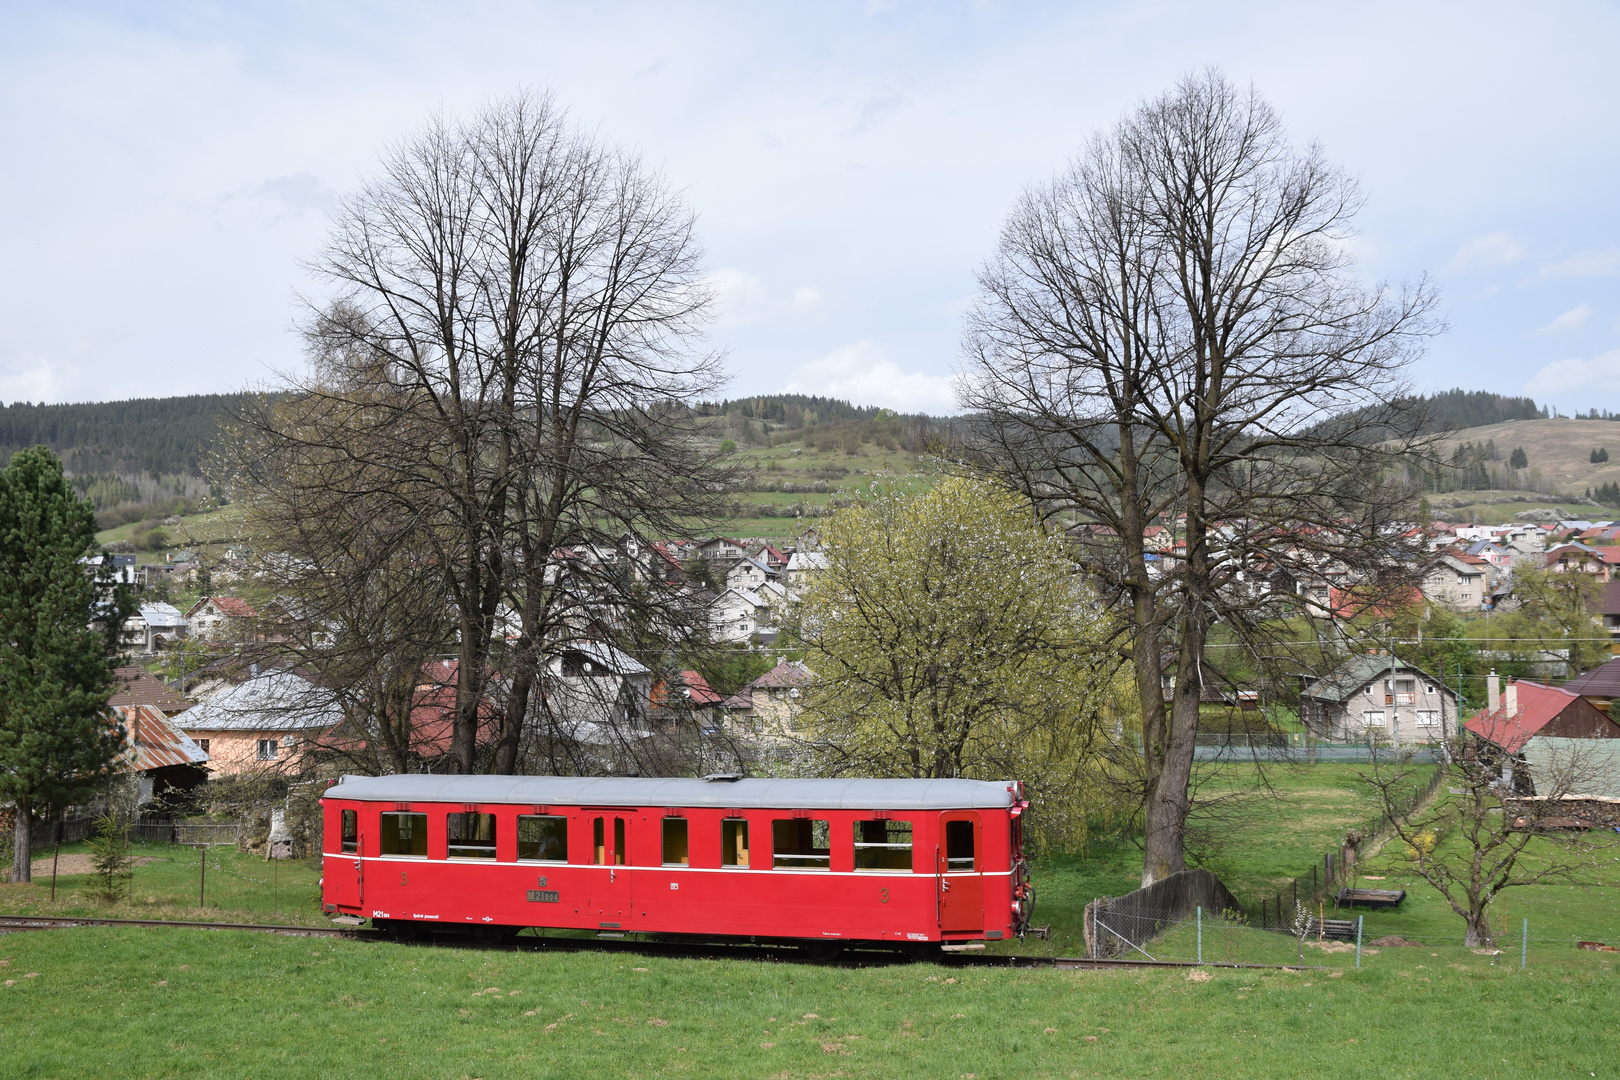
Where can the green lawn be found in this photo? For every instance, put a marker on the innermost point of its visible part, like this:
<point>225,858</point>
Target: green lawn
<point>169,1003</point>
<point>238,888</point>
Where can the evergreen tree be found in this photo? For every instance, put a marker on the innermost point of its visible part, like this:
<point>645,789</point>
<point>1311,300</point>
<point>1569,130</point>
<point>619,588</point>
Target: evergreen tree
<point>1519,460</point>
<point>59,628</point>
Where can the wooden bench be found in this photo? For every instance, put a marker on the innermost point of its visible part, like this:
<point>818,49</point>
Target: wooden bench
<point>1371,898</point>
<point>1333,929</point>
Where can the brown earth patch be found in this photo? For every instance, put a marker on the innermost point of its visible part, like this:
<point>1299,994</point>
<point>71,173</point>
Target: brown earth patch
<point>76,863</point>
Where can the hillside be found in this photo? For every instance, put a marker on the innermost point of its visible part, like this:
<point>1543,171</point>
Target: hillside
<point>1559,450</point>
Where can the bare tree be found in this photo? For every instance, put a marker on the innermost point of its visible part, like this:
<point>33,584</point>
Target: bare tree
<point>505,373</point>
<point>1477,839</point>
<point>1171,332</point>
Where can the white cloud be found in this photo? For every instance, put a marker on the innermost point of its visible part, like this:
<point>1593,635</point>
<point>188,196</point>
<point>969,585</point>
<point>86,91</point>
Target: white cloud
<point>38,380</point>
<point>740,295</point>
<point>863,375</point>
<point>1485,253</point>
<point>806,296</point>
<point>1599,374</point>
<point>1589,263</point>
<point>301,191</point>
<point>1569,320</point>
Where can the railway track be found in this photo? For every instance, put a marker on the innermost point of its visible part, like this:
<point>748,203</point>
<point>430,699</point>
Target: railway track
<point>854,957</point>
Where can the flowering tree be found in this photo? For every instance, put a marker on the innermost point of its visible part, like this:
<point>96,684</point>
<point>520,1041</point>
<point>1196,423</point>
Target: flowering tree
<point>951,637</point>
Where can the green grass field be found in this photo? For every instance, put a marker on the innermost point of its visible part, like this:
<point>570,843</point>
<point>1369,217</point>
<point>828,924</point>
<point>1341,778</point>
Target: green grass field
<point>169,1003</point>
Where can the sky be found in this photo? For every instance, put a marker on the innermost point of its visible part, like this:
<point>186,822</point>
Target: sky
<point>170,169</point>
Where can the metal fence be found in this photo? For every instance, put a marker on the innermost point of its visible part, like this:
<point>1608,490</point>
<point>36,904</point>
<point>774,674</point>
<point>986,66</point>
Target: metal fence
<point>1278,748</point>
<point>1121,925</point>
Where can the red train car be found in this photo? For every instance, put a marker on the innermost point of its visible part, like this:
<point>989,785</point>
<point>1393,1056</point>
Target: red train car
<point>909,863</point>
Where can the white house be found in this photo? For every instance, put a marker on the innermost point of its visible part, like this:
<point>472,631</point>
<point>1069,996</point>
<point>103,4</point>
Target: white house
<point>802,564</point>
<point>593,693</point>
<point>1454,583</point>
<point>748,574</point>
<point>154,626</point>
<point>737,615</point>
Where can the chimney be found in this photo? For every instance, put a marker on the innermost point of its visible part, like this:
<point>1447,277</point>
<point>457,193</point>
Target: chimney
<point>1493,692</point>
<point>1512,699</point>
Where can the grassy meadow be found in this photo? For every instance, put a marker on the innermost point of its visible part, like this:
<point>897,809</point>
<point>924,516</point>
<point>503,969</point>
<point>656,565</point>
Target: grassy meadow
<point>171,1003</point>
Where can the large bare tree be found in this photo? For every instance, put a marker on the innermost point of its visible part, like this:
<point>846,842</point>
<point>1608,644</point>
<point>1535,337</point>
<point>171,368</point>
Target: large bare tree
<point>1172,332</point>
<point>505,368</point>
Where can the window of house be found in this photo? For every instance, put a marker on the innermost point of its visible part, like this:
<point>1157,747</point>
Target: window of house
<point>959,854</point>
<point>349,844</point>
<point>402,834</point>
<point>470,836</point>
<point>734,842</point>
<point>267,749</point>
<point>542,838</point>
<point>1373,718</point>
<point>1405,691</point>
<point>883,845</point>
<point>675,849</point>
<point>801,844</point>
<point>202,744</point>
<point>1428,718</point>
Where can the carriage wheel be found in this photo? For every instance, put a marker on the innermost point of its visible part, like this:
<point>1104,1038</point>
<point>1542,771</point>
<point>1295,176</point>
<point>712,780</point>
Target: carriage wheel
<point>822,952</point>
<point>924,950</point>
<point>402,929</point>
<point>492,935</point>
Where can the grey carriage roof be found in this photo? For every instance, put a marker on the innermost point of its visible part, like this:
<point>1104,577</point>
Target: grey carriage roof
<point>722,794</point>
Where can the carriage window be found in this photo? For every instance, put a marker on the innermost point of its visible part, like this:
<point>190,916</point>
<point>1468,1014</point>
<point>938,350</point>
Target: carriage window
<point>675,851</point>
<point>542,838</point>
<point>350,842</point>
<point>470,836</point>
<point>402,834</point>
<point>734,842</point>
<point>599,852</point>
<point>883,845</point>
<point>801,844</point>
<point>959,845</point>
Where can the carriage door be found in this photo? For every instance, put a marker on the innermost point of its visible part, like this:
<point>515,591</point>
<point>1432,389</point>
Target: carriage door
<point>610,877</point>
<point>961,884</point>
<point>345,868</point>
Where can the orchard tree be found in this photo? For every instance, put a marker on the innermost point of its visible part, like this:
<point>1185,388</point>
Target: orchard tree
<point>951,637</point>
<point>59,627</point>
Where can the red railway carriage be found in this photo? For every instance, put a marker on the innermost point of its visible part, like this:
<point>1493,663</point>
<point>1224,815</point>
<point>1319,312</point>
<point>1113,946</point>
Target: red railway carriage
<point>902,862</point>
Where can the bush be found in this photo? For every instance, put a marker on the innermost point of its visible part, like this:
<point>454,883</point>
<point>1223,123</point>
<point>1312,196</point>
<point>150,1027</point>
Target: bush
<point>728,446</point>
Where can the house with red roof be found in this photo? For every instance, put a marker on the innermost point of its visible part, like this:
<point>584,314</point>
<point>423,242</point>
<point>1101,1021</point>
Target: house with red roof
<point>1577,558</point>
<point>222,618</point>
<point>1525,724</point>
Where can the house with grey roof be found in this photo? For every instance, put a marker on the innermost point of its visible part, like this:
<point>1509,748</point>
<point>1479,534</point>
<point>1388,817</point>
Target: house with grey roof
<point>153,626</point>
<point>1453,583</point>
<point>1378,697</point>
<point>268,721</point>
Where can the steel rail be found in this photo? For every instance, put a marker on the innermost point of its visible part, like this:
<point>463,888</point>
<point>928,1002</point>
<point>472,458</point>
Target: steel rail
<point>855,956</point>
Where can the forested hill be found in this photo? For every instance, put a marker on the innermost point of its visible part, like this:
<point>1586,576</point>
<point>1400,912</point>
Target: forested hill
<point>795,410</point>
<point>152,436</point>
<point>1454,410</point>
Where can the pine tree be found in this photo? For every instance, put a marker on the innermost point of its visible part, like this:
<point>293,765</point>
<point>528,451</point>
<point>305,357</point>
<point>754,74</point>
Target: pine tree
<point>59,628</point>
<point>1519,460</point>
